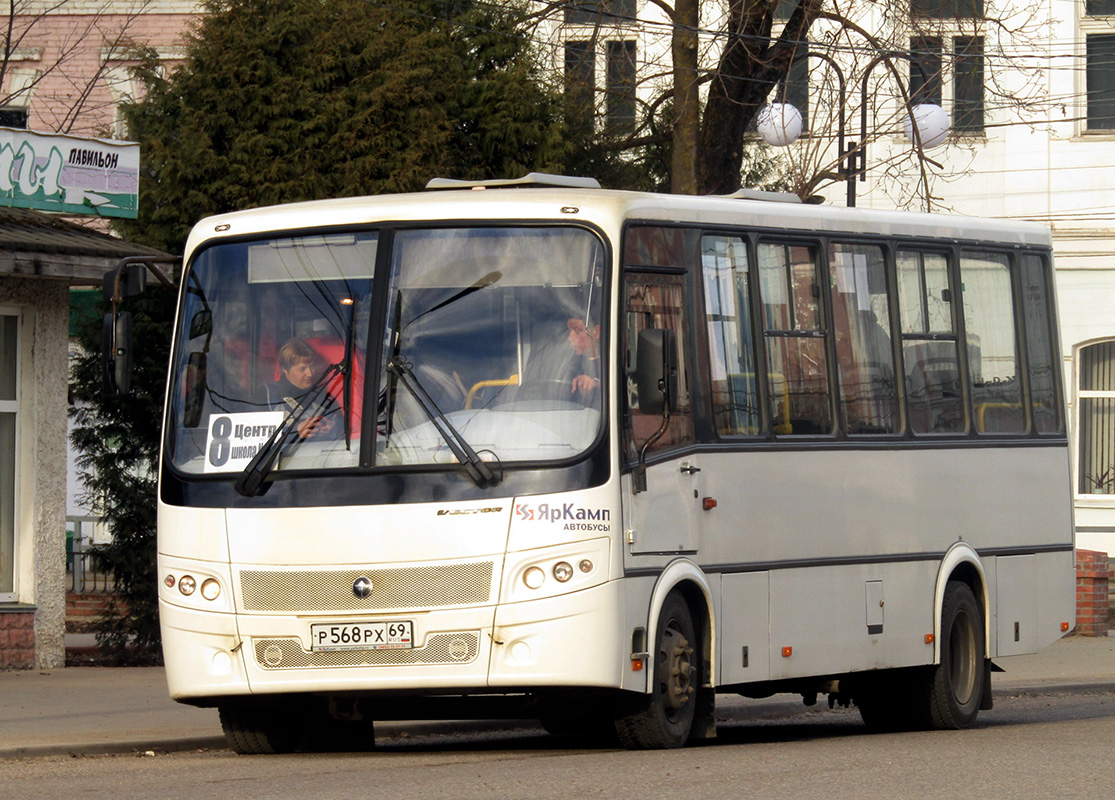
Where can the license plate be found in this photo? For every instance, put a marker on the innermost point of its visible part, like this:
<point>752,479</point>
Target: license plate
<point>363,636</point>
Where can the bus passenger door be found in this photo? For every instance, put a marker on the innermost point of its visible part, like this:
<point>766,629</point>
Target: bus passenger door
<point>664,518</point>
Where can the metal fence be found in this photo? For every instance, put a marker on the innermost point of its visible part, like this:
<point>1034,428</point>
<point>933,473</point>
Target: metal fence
<point>80,550</point>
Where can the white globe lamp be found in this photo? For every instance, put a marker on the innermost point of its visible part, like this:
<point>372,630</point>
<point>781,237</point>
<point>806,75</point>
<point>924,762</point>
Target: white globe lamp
<point>933,125</point>
<point>779,124</point>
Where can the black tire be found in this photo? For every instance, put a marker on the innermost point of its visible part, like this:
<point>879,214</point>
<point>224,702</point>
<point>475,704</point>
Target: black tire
<point>253,729</point>
<point>664,717</point>
<point>955,687</point>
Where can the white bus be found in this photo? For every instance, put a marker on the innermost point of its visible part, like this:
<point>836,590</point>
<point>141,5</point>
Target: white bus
<point>535,449</point>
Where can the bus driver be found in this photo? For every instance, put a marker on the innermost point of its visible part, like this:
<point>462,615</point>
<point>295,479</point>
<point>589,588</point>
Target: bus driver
<point>297,374</point>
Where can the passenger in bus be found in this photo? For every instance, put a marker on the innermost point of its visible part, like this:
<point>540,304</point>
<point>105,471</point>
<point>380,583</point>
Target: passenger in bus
<point>299,368</point>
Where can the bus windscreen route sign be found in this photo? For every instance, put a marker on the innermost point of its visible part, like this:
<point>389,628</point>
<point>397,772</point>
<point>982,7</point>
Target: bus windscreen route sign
<point>234,439</point>
<point>69,174</point>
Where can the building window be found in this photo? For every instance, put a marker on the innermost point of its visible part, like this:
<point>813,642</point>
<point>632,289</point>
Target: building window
<point>967,98</point>
<point>947,9</point>
<point>620,89</point>
<point>9,418</point>
<point>591,12</point>
<point>1099,8</point>
<point>1100,81</point>
<point>795,89</point>
<point>1096,419</point>
<point>13,117</point>
<point>927,83</point>
<point>580,86</point>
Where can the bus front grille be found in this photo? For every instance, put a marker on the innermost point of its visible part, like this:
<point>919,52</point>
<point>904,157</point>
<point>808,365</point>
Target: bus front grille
<point>440,648</point>
<point>391,588</point>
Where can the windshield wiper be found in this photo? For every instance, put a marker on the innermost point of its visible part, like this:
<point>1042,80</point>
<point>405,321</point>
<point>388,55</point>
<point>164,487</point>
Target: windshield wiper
<point>253,480</point>
<point>477,469</point>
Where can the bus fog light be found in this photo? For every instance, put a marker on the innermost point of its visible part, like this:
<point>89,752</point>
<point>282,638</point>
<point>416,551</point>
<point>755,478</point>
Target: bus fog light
<point>520,651</point>
<point>186,585</point>
<point>210,589</point>
<point>221,663</point>
<point>534,578</point>
<point>563,571</point>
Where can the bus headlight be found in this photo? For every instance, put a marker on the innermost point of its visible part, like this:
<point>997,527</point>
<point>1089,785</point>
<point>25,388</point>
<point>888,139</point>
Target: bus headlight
<point>187,585</point>
<point>534,578</point>
<point>563,571</point>
<point>210,589</point>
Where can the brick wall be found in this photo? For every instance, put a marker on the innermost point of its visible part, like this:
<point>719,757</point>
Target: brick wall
<point>83,611</point>
<point>17,639</point>
<point>1093,575</point>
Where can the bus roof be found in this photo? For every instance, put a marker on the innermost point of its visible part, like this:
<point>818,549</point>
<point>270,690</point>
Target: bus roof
<point>609,209</point>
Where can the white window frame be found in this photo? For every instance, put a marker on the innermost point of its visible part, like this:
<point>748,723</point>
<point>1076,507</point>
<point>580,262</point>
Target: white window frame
<point>1082,498</point>
<point>13,406</point>
<point>1088,26</point>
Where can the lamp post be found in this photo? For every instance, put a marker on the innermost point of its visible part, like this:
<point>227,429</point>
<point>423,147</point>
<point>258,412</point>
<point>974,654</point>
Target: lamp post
<point>926,126</point>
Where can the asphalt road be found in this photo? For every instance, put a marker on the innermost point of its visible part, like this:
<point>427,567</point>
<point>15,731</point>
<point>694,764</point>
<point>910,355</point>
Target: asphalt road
<point>1028,747</point>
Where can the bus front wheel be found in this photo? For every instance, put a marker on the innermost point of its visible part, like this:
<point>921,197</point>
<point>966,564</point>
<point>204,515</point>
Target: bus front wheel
<point>664,717</point>
<point>257,729</point>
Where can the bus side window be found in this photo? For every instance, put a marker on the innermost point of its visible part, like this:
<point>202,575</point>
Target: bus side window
<point>735,387</point>
<point>1041,348</point>
<point>993,359</point>
<point>934,399</point>
<point>861,328</point>
<point>656,301</point>
<point>797,364</point>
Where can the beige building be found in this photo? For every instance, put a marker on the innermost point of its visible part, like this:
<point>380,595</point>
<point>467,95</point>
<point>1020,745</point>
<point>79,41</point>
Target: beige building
<point>41,257</point>
<point>66,68</point>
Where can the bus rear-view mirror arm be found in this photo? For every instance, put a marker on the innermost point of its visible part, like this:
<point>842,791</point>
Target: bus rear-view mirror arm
<point>127,279</point>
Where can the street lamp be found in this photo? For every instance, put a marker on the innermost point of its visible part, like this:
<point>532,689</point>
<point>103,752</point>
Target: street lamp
<point>926,125</point>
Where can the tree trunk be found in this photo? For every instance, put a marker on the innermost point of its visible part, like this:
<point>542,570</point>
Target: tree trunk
<point>747,72</point>
<point>687,109</point>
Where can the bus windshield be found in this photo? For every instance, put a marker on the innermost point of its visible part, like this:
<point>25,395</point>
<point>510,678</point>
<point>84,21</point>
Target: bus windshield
<point>489,351</point>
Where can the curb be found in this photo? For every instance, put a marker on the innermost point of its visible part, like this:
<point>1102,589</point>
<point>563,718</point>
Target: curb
<point>137,746</point>
<point>743,712</point>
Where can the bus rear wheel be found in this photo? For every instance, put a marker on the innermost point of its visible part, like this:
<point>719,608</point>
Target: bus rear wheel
<point>946,696</point>
<point>664,717</point>
<point>955,686</point>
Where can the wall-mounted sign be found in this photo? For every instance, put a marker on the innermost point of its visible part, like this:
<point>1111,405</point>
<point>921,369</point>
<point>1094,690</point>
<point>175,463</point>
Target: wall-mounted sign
<point>69,174</point>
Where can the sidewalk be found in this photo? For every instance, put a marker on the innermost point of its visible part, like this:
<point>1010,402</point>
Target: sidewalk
<point>91,710</point>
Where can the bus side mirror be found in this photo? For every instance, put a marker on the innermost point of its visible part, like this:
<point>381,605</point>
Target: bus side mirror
<point>656,371</point>
<point>131,277</point>
<point>116,354</point>
<point>201,324</point>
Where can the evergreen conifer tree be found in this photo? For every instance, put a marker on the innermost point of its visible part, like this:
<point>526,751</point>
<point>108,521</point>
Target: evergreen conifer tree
<point>279,101</point>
